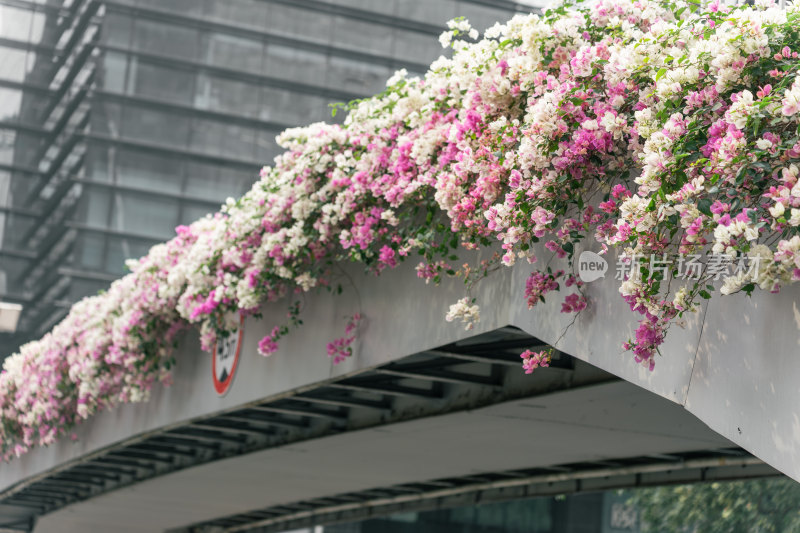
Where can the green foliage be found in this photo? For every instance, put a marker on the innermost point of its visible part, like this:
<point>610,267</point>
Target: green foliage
<point>770,505</point>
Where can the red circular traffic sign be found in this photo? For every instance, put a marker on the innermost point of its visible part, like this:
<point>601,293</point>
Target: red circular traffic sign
<point>226,359</point>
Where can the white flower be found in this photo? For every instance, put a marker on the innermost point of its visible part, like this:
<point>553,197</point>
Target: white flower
<point>469,314</point>
<point>680,299</point>
<point>764,144</point>
<point>777,210</point>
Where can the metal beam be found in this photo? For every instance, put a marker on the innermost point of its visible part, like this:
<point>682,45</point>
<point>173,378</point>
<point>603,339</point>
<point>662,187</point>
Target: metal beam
<point>300,411</point>
<point>139,455</point>
<point>117,469</point>
<point>184,441</point>
<point>200,431</point>
<point>507,361</point>
<point>160,448</point>
<point>387,388</point>
<point>381,405</point>
<point>459,378</point>
<point>255,418</point>
<point>238,430</point>
<point>496,346</point>
<point>105,460</point>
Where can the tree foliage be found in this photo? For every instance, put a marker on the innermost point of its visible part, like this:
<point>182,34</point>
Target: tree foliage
<point>751,506</point>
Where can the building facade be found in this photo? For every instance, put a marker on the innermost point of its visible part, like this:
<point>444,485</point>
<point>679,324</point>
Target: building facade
<point>120,119</point>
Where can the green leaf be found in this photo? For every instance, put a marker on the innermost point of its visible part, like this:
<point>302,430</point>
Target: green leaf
<point>660,73</point>
<point>704,206</point>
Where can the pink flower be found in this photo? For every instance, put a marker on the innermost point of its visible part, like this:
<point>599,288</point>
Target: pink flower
<point>539,284</point>
<point>268,345</point>
<point>574,303</point>
<point>533,360</point>
<point>388,256</point>
<point>341,348</point>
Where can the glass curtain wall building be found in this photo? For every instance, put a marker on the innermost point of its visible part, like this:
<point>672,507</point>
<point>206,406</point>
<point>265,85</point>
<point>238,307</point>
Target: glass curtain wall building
<point>120,119</point>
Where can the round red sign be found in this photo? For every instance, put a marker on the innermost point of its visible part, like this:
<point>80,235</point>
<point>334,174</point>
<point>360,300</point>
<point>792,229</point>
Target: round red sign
<point>226,359</point>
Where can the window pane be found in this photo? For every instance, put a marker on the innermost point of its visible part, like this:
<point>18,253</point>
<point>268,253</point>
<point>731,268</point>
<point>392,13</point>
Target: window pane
<point>226,95</point>
<point>194,212</point>
<point>116,30</point>
<point>12,64</point>
<point>80,288</point>
<point>206,136</point>
<point>11,269</point>
<point>155,126</point>
<point>15,23</point>
<point>216,183</point>
<point>356,76</point>
<point>227,140</point>
<point>187,7</point>
<point>17,228</point>
<point>165,39</point>
<point>233,52</point>
<point>362,36</point>
<point>10,100</point>
<point>296,65</point>
<point>120,250</point>
<point>144,214</point>
<point>106,118</point>
<point>241,12</point>
<point>98,163</point>
<point>288,20</point>
<point>7,140</point>
<point>90,248</point>
<point>239,142</point>
<point>93,208</point>
<point>40,68</point>
<point>25,147</point>
<point>267,149</point>
<point>33,107</point>
<point>280,105</point>
<point>113,71</point>
<point>410,45</point>
<point>148,171</point>
<point>38,34</point>
<point>438,12</point>
<point>160,82</point>
<point>384,6</point>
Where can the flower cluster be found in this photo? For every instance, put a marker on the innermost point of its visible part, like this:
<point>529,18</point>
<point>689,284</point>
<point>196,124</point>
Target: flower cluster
<point>657,127</point>
<point>341,348</point>
<point>539,284</point>
<point>533,360</point>
<point>466,311</point>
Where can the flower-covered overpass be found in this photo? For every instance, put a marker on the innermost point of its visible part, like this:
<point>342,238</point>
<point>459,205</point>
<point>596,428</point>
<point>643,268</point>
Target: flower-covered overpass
<point>658,137</point>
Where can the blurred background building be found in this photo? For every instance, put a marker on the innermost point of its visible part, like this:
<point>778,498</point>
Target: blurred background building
<point>120,119</point>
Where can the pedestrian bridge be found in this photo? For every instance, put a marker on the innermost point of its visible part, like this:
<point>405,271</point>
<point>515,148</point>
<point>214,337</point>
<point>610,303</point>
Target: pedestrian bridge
<point>426,414</point>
